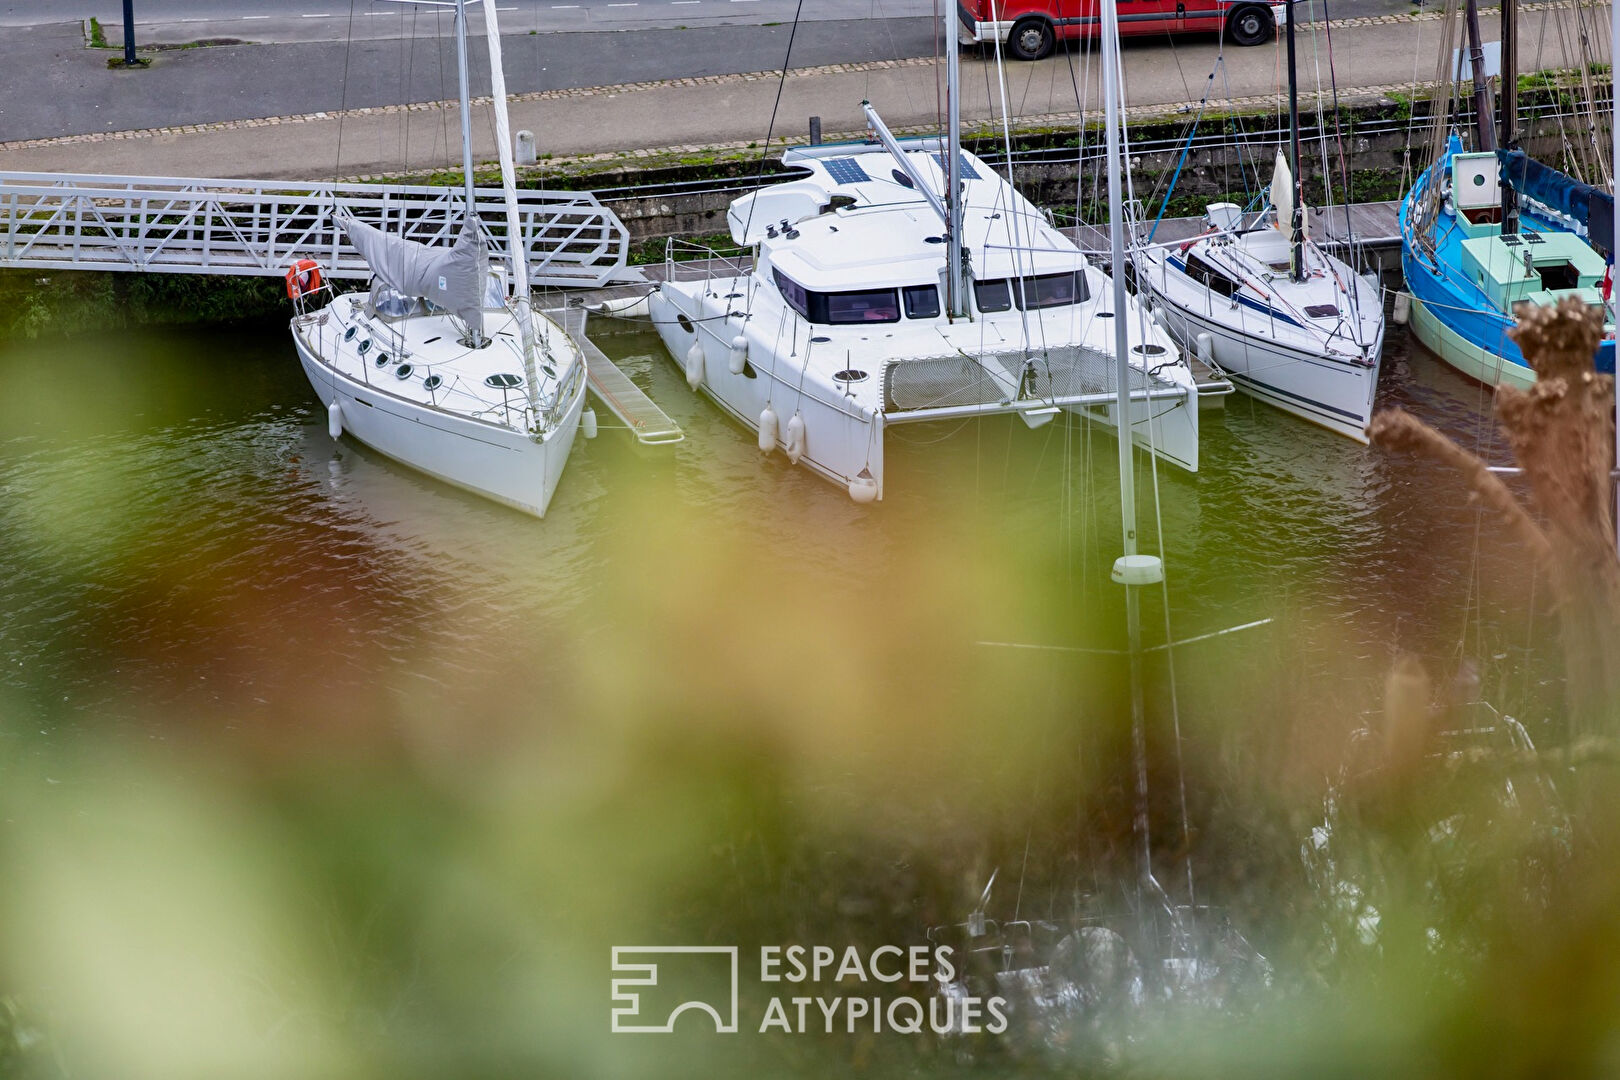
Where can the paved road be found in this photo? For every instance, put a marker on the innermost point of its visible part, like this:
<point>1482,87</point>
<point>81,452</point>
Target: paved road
<point>176,21</point>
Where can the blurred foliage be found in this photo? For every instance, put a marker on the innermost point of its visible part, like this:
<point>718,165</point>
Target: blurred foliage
<point>288,791</point>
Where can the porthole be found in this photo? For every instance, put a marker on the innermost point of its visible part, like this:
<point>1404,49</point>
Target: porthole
<point>933,239</point>
<point>381,360</point>
<point>403,371</point>
<point>820,338</point>
<point>348,335</point>
<point>901,178</point>
<point>504,380</point>
<point>686,323</point>
<point>849,375</point>
<point>1105,314</point>
<point>433,382</point>
<point>1148,350</point>
<point>551,372</point>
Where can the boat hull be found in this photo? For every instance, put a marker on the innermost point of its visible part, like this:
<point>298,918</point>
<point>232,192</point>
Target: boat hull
<point>1332,394</point>
<point>489,460</point>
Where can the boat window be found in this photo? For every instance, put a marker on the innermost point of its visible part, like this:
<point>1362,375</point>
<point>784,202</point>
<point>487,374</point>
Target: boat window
<point>922,301</point>
<point>993,295</point>
<point>839,308</point>
<point>1322,311</point>
<point>1052,290</point>
<point>1211,278</point>
<point>795,294</point>
<point>867,306</point>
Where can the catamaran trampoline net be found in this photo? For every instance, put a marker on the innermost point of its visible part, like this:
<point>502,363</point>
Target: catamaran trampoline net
<point>995,378</point>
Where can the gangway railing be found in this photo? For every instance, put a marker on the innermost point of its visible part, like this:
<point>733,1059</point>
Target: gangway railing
<point>179,225</point>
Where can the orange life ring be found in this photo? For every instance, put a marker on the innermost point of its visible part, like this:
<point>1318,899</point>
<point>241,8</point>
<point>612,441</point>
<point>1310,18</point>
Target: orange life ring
<point>303,276</point>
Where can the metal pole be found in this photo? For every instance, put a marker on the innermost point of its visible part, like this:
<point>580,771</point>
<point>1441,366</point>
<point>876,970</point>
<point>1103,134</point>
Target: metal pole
<point>956,283</point>
<point>129,33</point>
<point>1510,107</point>
<point>466,109</point>
<point>1297,223</point>
<point>1122,407</point>
<point>1614,294</point>
<point>1482,89</point>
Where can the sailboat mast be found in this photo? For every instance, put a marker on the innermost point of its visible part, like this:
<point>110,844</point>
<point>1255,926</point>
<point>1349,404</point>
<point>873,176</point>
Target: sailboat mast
<point>1296,225</point>
<point>466,107</point>
<point>1483,123</point>
<point>1510,106</point>
<point>1122,407</point>
<point>956,279</point>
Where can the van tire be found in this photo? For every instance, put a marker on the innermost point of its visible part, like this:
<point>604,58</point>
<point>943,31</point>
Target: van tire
<point>1251,24</point>
<point>1032,38</point>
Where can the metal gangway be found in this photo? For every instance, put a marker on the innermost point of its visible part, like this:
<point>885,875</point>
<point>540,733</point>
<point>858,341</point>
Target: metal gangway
<point>181,225</point>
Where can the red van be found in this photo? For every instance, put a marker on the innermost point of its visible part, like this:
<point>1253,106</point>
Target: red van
<point>1032,27</point>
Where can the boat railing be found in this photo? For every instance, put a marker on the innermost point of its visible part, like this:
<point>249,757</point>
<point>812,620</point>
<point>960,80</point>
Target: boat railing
<point>702,262</point>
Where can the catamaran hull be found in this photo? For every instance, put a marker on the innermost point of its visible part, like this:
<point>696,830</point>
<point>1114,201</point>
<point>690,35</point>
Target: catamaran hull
<point>493,461</point>
<point>844,439</point>
<point>1337,395</point>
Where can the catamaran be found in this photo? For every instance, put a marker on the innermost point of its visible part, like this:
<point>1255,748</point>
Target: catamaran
<point>901,282</point>
<point>438,367</point>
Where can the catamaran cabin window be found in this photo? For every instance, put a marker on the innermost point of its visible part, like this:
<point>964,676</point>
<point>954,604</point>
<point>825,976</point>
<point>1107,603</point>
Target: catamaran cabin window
<point>922,301</point>
<point>993,295</point>
<point>1052,290</point>
<point>874,305</point>
<point>795,294</point>
<point>839,308</point>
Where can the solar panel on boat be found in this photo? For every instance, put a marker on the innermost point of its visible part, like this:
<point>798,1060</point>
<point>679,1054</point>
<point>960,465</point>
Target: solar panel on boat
<point>846,170</point>
<point>968,171</point>
<point>1534,238</point>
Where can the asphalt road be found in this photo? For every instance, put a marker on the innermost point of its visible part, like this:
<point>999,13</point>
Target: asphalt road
<point>175,21</point>
<point>178,21</point>
<point>72,91</point>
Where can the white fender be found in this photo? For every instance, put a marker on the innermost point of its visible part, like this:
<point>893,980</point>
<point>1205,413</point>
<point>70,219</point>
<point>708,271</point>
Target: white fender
<point>767,430</point>
<point>1206,348</point>
<point>739,354</point>
<point>334,419</point>
<point>1403,308</point>
<point>694,365</point>
<point>587,423</point>
<point>795,438</point>
<point>864,488</point>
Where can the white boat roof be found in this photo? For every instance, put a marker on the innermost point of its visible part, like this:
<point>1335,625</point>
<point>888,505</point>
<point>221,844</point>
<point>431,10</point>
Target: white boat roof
<point>860,223</point>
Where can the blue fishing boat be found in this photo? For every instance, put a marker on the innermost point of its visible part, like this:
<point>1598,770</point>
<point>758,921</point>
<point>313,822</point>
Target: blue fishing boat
<point>1485,231</point>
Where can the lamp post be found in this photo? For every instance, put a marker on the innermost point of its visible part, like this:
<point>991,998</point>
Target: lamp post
<point>129,33</point>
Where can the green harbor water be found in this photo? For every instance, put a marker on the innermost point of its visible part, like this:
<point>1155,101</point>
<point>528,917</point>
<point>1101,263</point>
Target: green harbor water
<point>313,766</point>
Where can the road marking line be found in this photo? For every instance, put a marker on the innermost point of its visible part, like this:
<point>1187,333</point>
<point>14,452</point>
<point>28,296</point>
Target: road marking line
<point>246,17</point>
<point>320,15</point>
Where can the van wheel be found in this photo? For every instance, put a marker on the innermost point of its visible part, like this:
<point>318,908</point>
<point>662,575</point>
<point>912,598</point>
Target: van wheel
<point>1252,25</point>
<point>1031,38</point>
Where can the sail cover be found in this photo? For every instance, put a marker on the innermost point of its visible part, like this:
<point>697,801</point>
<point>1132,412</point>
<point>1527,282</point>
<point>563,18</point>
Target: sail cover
<point>451,277</point>
<point>1567,196</point>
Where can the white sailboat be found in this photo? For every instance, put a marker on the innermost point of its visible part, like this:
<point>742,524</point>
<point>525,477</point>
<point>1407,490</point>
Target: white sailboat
<point>437,367</point>
<point>1289,323</point>
<point>902,283</point>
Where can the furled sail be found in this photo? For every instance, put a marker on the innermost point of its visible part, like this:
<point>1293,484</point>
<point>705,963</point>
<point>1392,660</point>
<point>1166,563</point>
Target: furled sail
<point>1562,194</point>
<point>451,277</point>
